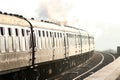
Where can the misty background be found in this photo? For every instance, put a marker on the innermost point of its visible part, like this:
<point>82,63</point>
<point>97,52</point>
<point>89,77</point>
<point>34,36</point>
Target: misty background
<point>99,17</point>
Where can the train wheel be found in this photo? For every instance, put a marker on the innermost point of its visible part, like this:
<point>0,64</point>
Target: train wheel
<point>26,75</point>
<point>20,76</point>
<point>1,78</point>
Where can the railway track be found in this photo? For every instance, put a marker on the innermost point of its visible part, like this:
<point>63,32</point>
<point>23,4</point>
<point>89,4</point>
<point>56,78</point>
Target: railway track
<point>106,59</point>
<point>98,61</point>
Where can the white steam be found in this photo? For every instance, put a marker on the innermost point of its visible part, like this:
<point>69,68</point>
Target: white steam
<point>78,13</point>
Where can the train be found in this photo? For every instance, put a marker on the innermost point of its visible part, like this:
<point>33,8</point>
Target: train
<point>31,49</point>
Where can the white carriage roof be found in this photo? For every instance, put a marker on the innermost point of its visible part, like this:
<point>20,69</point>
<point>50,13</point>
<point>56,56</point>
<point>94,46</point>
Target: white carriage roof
<point>51,26</point>
<point>12,20</point>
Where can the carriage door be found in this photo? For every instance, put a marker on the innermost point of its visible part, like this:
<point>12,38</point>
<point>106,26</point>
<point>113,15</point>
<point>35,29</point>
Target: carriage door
<point>66,45</point>
<point>32,45</point>
<point>53,44</point>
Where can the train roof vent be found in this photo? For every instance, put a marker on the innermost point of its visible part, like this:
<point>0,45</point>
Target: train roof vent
<point>10,14</point>
<point>5,13</point>
<point>0,12</point>
<point>20,16</point>
<point>42,20</point>
<point>47,21</point>
<point>16,15</point>
<point>32,18</point>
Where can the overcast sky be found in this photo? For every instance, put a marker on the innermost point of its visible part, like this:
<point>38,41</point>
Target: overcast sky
<point>100,17</point>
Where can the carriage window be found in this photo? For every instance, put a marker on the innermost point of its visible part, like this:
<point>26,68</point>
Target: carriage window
<point>39,33</point>
<point>61,35</point>
<point>16,32</point>
<point>23,33</point>
<point>47,33</point>
<point>27,31</point>
<point>58,35</point>
<point>43,33</point>
<point>67,34</point>
<point>50,34</point>
<point>1,31</point>
<point>9,31</point>
<point>55,34</point>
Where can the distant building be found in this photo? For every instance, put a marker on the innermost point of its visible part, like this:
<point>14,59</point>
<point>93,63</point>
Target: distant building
<point>118,50</point>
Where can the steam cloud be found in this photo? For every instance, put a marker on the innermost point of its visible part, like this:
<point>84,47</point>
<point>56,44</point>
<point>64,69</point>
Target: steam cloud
<point>69,12</point>
<point>55,10</point>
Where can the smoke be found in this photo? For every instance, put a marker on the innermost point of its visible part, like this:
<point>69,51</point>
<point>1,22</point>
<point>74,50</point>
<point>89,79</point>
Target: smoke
<point>95,16</point>
<point>56,10</point>
<point>70,12</point>
<point>75,13</point>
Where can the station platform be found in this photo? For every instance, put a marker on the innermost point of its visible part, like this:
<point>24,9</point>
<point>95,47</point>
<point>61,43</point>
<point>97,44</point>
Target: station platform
<point>109,72</point>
